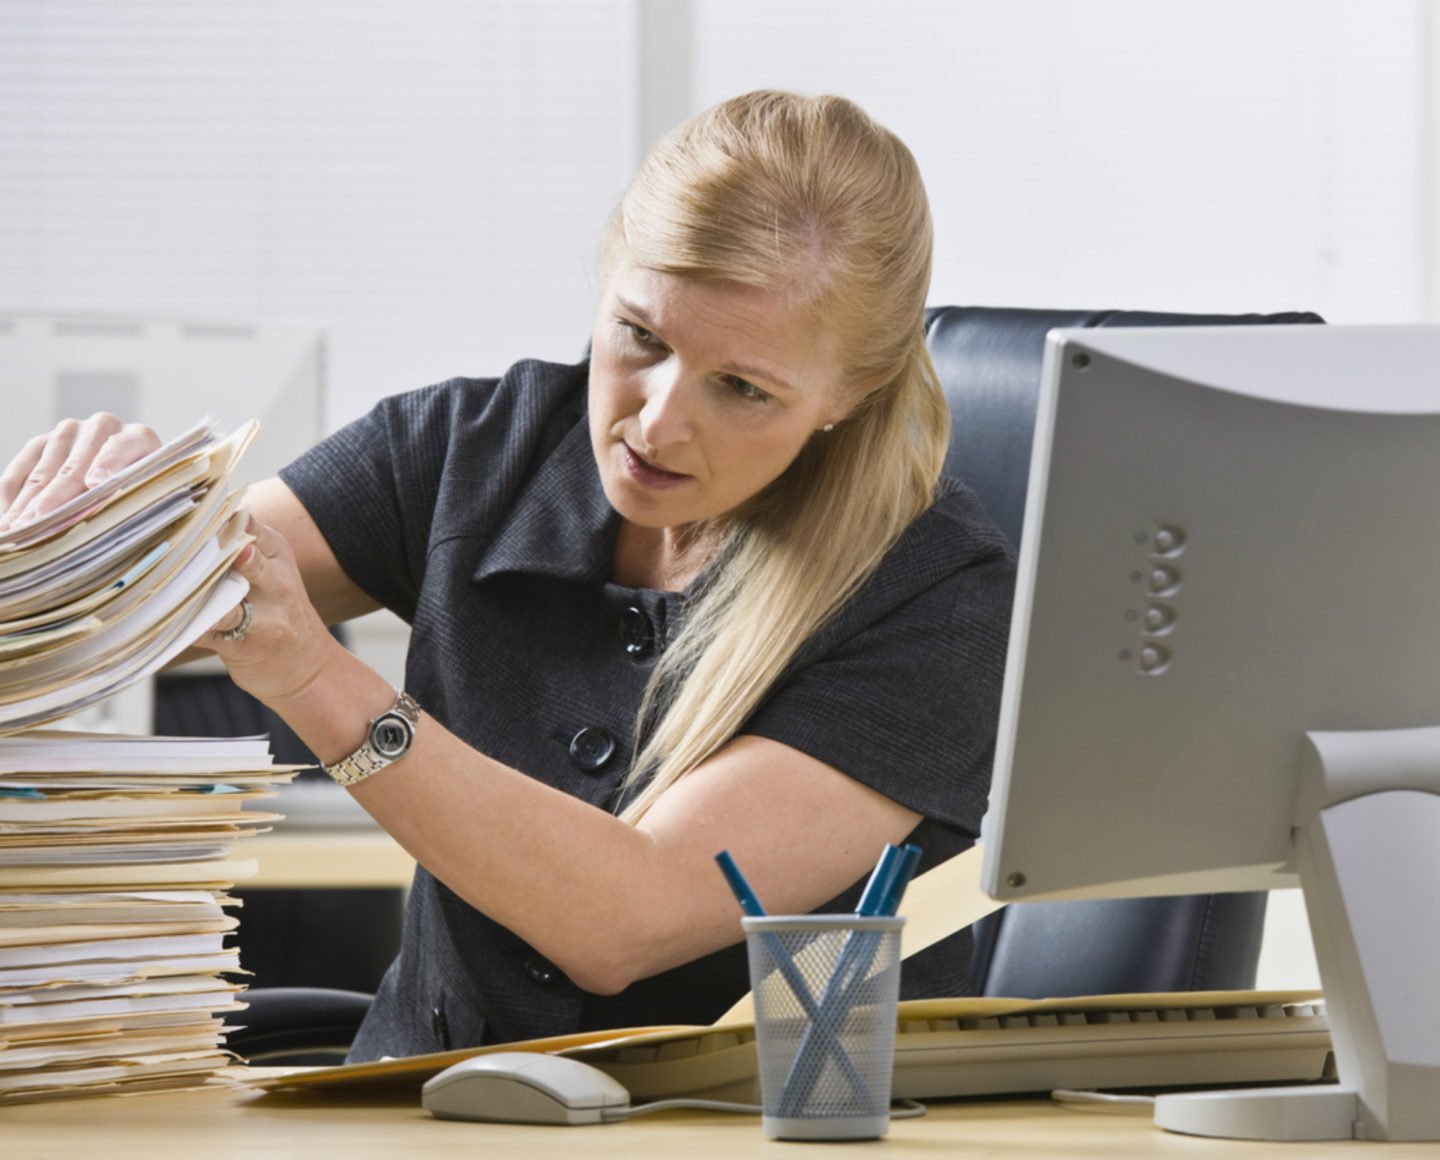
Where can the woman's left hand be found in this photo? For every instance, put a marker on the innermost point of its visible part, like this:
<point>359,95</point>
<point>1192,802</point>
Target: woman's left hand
<point>286,646</point>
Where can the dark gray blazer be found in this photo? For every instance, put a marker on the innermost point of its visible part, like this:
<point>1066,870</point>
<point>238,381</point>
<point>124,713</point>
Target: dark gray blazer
<point>474,510</point>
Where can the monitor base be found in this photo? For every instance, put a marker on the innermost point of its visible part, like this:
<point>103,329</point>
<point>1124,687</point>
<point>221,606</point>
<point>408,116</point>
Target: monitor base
<point>1298,1113</point>
<point>1369,863</point>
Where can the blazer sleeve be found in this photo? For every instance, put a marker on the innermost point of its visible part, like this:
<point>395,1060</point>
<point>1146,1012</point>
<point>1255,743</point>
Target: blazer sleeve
<point>908,702</point>
<point>372,488</point>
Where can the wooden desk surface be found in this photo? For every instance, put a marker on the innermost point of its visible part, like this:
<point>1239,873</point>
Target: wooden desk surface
<point>217,1125</point>
<point>323,858</point>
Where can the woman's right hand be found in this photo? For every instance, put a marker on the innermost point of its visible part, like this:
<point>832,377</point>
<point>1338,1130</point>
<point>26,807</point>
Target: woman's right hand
<point>58,466</point>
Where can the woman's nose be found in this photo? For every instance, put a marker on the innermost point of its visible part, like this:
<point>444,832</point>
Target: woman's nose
<point>666,416</point>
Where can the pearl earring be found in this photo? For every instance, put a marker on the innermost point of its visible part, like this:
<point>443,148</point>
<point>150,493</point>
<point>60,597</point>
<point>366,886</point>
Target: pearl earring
<point>828,428</point>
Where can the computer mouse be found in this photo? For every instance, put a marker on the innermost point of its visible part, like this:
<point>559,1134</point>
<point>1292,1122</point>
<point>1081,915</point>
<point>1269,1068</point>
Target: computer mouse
<point>520,1087</point>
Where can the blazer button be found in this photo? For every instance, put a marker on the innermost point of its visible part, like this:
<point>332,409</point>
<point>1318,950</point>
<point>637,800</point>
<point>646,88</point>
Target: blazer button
<point>440,1026</point>
<point>592,748</point>
<point>542,972</point>
<point>637,633</point>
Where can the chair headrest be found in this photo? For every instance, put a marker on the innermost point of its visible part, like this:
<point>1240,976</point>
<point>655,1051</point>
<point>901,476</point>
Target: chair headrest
<point>989,360</point>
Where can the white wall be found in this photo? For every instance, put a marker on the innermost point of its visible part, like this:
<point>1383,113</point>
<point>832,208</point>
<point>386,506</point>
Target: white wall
<point>1429,39</point>
<point>426,180</point>
<point>1122,153</point>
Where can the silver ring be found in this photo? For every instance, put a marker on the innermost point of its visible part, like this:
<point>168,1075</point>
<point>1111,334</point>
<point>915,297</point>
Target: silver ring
<point>247,617</point>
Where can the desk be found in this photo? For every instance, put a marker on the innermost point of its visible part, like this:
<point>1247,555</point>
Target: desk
<point>225,1126</point>
<point>321,858</point>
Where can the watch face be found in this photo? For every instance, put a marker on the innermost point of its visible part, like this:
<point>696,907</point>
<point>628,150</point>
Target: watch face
<point>390,735</point>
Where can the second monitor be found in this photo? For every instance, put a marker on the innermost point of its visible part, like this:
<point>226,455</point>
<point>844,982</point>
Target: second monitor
<point>1224,668</point>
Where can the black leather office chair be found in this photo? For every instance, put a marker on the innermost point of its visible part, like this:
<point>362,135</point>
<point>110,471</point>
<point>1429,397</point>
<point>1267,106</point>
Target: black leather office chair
<point>989,362</point>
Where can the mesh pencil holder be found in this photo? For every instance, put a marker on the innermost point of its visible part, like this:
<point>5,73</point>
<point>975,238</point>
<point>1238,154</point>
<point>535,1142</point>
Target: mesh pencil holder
<point>826,989</point>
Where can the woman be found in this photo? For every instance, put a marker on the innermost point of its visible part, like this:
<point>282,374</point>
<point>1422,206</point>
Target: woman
<point>706,591</point>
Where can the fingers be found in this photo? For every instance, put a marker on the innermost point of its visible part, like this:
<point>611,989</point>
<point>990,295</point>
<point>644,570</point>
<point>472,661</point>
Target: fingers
<point>268,542</point>
<point>68,479</point>
<point>18,471</point>
<point>52,469</point>
<point>130,444</point>
<point>54,452</point>
<point>249,563</point>
<point>283,645</point>
<point>235,618</point>
<point>231,620</point>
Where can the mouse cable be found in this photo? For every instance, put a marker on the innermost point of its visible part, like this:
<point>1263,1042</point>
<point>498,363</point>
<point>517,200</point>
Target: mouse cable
<point>905,1110</point>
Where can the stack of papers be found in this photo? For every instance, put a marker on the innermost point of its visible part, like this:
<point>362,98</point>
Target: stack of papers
<point>116,852</point>
<point>115,857</point>
<point>104,590</point>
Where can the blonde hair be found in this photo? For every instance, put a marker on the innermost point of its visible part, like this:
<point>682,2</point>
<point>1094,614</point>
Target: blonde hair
<point>812,197</point>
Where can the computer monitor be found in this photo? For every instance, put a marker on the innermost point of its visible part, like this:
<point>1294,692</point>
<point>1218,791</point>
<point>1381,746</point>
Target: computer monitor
<point>168,374</point>
<point>1224,671</point>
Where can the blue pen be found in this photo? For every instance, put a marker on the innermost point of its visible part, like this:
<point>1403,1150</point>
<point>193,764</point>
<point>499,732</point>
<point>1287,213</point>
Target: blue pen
<point>853,972</point>
<point>881,879</point>
<point>750,904</point>
<point>881,898</point>
<point>743,894</point>
<point>904,869</point>
<point>909,859</point>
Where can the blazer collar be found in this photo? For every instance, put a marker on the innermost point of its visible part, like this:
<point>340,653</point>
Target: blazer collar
<point>560,524</point>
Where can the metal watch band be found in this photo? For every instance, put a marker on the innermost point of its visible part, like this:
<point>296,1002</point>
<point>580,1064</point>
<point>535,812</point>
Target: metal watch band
<point>397,725</point>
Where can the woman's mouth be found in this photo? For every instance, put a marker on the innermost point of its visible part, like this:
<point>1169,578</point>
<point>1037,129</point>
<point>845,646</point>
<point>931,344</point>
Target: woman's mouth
<point>647,474</point>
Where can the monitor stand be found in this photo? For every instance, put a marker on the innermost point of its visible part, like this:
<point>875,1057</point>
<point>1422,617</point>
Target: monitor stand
<point>1367,846</point>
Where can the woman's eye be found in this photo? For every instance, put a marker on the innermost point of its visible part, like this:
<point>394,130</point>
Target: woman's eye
<point>640,334</point>
<point>748,390</point>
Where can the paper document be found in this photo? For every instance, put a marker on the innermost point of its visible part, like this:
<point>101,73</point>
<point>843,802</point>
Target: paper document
<point>117,853</point>
<point>126,575</point>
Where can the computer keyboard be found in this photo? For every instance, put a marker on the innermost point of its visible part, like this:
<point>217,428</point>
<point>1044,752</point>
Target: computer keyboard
<point>955,1047</point>
<point>1040,1047</point>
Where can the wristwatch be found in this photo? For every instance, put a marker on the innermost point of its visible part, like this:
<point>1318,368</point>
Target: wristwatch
<point>387,739</point>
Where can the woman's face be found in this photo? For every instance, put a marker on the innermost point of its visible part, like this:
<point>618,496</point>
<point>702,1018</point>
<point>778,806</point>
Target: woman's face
<point>701,393</point>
